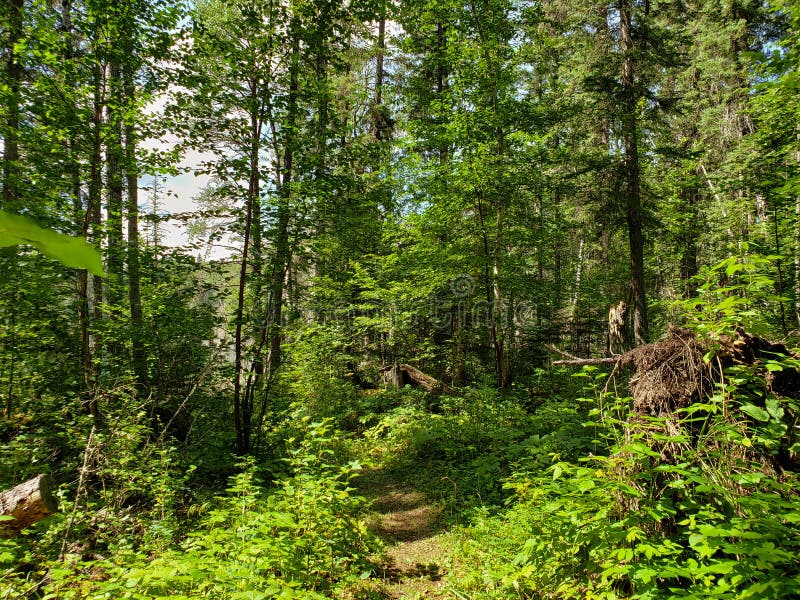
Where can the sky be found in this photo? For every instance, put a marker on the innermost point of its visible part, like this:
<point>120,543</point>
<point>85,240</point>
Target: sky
<point>176,193</point>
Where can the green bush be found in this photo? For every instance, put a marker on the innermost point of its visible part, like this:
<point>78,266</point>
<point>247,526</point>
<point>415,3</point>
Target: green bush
<point>299,541</point>
<point>673,510</point>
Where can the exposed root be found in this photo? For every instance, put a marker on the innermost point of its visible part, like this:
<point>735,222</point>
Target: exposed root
<point>670,374</point>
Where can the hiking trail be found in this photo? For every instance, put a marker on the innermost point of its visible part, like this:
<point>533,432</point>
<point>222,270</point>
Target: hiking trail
<point>416,559</point>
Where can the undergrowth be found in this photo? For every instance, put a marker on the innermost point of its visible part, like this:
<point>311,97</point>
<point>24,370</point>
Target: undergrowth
<point>304,537</point>
<point>709,521</point>
<point>549,492</point>
<point>701,503</point>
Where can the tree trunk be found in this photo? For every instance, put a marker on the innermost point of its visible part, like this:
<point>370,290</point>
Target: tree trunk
<point>380,124</point>
<point>282,250</point>
<point>498,329</point>
<point>492,290</point>
<point>80,215</point>
<point>28,503</point>
<point>13,81</point>
<point>241,416</point>
<point>691,235</point>
<point>797,244</point>
<point>633,201</point>
<point>138,357</point>
<point>379,61</point>
<point>255,261</point>
<point>95,212</point>
<point>114,157</point>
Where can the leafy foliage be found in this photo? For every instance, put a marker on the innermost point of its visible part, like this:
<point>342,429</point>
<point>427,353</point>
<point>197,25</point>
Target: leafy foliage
<point>72,252</point>
<point>694,505</point>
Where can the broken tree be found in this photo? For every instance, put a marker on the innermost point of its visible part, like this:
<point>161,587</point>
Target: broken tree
<point>401,374</point>
<point>27,503</point>
<point>672,373</point>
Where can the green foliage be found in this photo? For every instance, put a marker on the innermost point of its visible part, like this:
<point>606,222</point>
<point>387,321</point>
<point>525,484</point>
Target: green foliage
<point>667,514</point>
<point>461,214</point>
<point>297,540</point>
<point>315,377</point>
<point>467,444</point>
<point>72,252</point>
<point>699,504</point>
<point>735,292</point>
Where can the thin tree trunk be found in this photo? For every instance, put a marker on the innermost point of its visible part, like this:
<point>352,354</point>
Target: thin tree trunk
<point>779,265</point>
<point>82,280</point>
<point>379,125</point>
<point>241,415</point>
<point>94,209</point>
<point>498,331</point>
<point>254,200</point>
<point>138,356</point>
<point>114,182</point>
<point>379,61</point>
<point>576,292</point>
<point>441,67</point>
<point>282,250</point>
<point>689,267</point>
<point>797,245</point>
<point>12,366</point>
<point>9,199</point>
<point>81,217</point>
<point>442,80</point>
<point>492,289</point>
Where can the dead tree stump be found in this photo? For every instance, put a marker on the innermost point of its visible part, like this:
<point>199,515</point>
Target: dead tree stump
<point>27,503</point>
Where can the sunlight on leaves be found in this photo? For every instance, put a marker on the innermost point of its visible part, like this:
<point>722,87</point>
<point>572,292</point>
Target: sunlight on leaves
<point>73,252</point>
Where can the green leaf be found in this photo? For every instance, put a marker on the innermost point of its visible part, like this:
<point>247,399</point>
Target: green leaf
<point>733,268</point>
<point>71,251</point>
<point>774,408</point>
<point>758,413</point>
<point>696,539</point>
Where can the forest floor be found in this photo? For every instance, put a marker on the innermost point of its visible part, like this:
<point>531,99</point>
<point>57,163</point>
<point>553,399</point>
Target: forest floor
<point>417,557</point>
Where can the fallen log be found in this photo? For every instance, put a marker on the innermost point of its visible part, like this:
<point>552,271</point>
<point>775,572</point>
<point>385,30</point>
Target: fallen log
<point>27,503</point>
<point>400,374</point>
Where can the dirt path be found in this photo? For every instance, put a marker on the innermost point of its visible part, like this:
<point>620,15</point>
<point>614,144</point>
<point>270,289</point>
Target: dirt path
<point>415,560</point>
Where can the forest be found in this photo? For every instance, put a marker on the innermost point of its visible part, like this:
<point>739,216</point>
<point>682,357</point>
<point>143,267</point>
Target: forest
<point>481,299</point>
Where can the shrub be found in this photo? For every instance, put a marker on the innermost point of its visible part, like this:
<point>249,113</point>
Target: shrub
<point>298,541</point>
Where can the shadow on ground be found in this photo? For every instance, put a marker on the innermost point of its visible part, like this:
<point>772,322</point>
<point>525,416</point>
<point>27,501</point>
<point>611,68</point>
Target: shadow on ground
<point>410,525</point>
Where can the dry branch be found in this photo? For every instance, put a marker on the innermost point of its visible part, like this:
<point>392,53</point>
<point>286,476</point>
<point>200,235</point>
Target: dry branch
<point>562,352</point>
<point>584,362</point>
<point>28,503</point>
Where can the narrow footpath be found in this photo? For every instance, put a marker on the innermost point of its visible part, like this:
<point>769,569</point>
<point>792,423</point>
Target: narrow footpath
<point>416,560</point>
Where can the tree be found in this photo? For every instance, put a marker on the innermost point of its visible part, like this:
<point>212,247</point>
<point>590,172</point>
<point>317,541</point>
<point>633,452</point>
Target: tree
<point>777,139</point>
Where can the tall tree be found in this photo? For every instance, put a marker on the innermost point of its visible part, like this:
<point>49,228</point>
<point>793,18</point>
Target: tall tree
<point>631,95</point>
<point>12,19</point>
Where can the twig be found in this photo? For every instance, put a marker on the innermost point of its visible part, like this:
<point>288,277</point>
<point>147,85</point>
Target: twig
<point>87,453</point>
